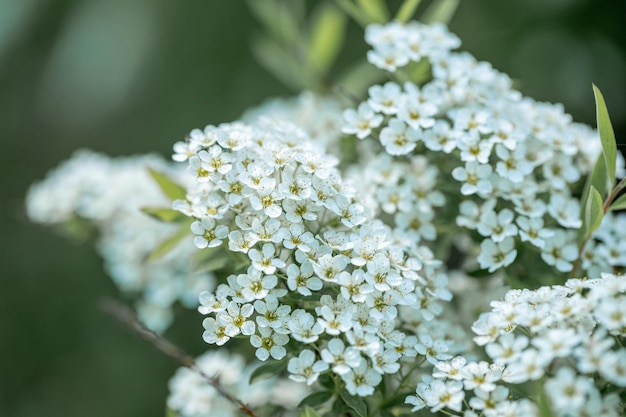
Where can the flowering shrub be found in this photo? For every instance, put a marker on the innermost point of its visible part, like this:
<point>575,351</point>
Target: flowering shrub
<point>346,252</point>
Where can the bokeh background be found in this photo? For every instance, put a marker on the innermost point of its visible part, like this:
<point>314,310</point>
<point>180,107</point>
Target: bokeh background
<point>132,76</point>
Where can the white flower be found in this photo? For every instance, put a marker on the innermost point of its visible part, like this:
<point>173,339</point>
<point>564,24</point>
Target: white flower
<point>269,343</point>
<point>361,380</point>
<point>532,230</point>
<point>272,313</point>
<point>216,160</point>
<point>235,318</point>
<point>496,255</point>
<point>441,395</point>
<point>305,368</point>
<point>303,327</point>
<point>301,279</point>
<point>266,261</point>
<point>497,226</point>
<point>475,177</point>
<point>361,122</point>
<point>398,138</point>
<point>207,235</point>
<point>340,358</point>
<point>567,391</point>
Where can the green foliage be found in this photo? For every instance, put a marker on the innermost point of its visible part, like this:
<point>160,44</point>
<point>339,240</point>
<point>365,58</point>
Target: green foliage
<point>308,412</point>
<point>593,212</point>
<point>268,370</point>
<point>619,204</point>
<point>316,399</point>
<point>327,34</point>
<point>170,243</point>
<point>170,188</point>
<point>212,259</point>
<point>354,403</point>
<point>607,136</point>
<point>440,11</point>
<point>166,215</point>
<point>375,9</point>
<point>407,10</point>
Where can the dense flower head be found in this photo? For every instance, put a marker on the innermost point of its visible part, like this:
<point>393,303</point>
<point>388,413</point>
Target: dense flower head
<point>570,337</point>
<point>109,193</point>
<point>316,269</point>
<point>517,163</point>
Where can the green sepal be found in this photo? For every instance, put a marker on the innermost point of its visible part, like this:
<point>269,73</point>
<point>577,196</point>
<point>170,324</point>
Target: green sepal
<point>315,399</point>
<point>407,10</point>
<point>440,11</point>
<point>607,136</point>
<point>166,215</point>
<point>170,188</point>
<point>355,403</point>
<point>308,412</point>
<point>170,243</point>
<point>619,204</point>
<point>268,370</point>
<point>594,212</point>
<point>328,29</point>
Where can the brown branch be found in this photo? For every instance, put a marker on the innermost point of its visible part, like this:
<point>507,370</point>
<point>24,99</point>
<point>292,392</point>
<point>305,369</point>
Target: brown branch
<point>126,316</point>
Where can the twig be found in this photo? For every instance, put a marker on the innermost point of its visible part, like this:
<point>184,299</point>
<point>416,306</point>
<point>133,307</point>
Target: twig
<point>126,316</point>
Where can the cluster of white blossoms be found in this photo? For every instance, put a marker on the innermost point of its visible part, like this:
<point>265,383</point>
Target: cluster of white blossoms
<point>319,116</point>
<point>316,269</point>
<point>568,337</point>
<point>513,162</point>
<point>109,194</point>
<point>193,396</point>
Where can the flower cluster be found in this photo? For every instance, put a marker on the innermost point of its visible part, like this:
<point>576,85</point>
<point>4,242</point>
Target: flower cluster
<point>109,194</point>
<point>315,270</point>
<point>569,337</point>
<point>192,396</point>
<point>517,163</point>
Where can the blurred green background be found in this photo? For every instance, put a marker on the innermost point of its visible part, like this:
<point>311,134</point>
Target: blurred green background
<point>133,76</point>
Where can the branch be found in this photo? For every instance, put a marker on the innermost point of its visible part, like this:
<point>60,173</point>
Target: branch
<point>126,316</point>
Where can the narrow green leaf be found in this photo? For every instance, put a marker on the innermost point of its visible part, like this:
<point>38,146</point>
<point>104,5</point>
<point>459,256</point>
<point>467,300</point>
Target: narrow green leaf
<point>308,412</point>
<point>544,405</point>
<point>619,204</point>
<point>355,403</point>
<point>268,370</point>
<point>375,9</point>
<point>440,11</point>
<point>328,29</point>
<point>593,212</point>
<point>598,180</point>
<point>166,215</point>
<point>281,64</point>
<point>354,12</point>
<point>359,77</point>
<point>315,399</point>
<point>171,189</point>
<point>212,259</point>
<point>407,10</point>
<point>169,243</point>
<point>327,382</point>
<point>607,136</point>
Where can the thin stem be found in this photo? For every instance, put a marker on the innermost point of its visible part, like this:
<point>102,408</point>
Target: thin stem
<point>124,315</point>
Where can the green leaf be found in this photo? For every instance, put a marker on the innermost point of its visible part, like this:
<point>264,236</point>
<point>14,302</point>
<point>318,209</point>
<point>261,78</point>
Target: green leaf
<point>170,413</point>
<point>407,10</point>
<point>607,136</point>
<point>212,259</point>
<point>308,412</point>
<point>281,64</point>
<point>327,382</point>
<point>315,399</point>
<point>375,9</point>
<point>544,405</point>
<point>355,403</point>
<point>440,11</point>
<point>165,214</point>
<point>619,204</point>
<point>598,180</point>
<point>358,78</point>
<point>328,30</point>
<point>171,189</point>
<point>268,370</point>
<point>354,12</point>
<point>169,243</point>
<point>593,212</point>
